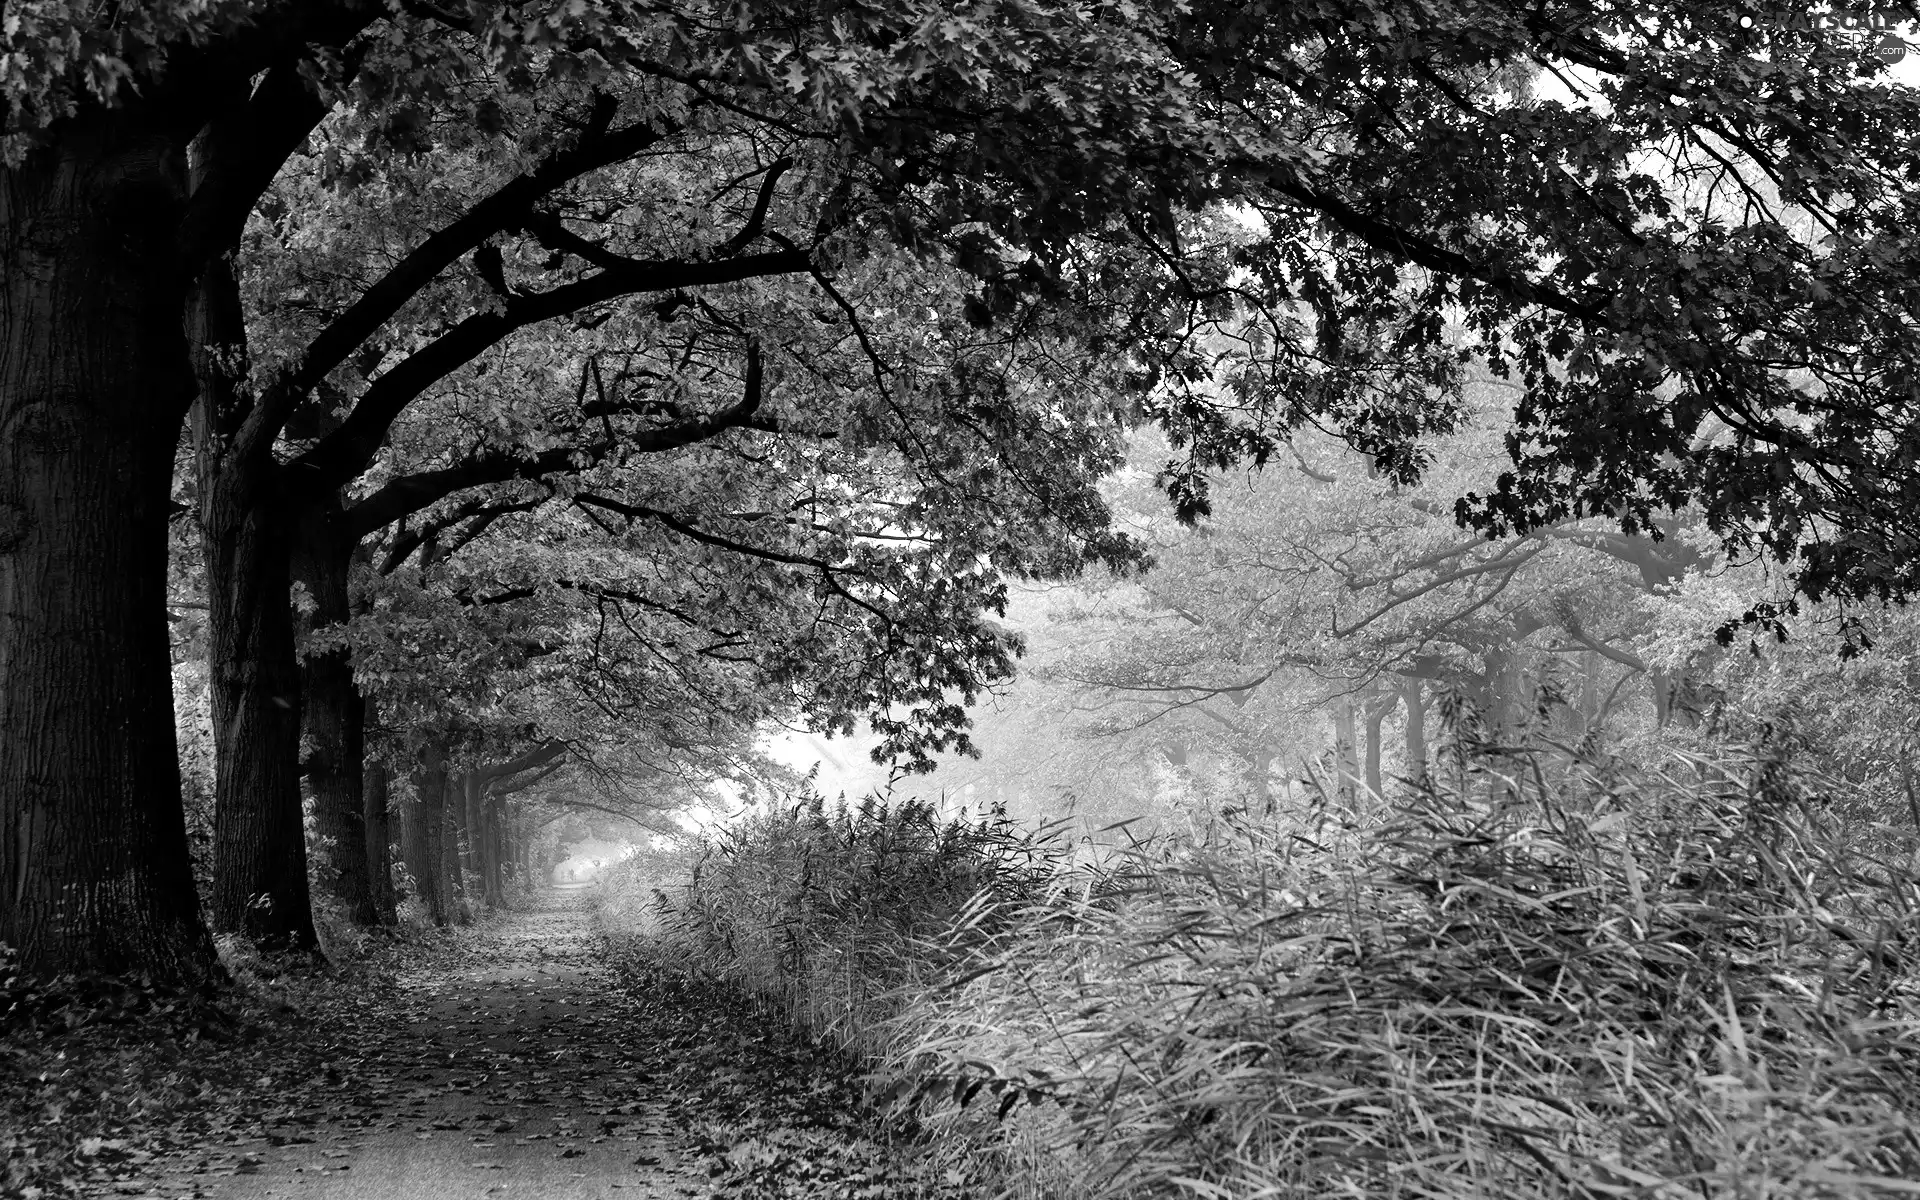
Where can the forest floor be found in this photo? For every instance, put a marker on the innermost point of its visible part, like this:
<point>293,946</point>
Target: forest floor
<point>527,1056</point>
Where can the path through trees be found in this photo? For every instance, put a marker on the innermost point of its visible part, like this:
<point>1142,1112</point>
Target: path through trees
<point>508,1065</point>
<point>529,1057</point>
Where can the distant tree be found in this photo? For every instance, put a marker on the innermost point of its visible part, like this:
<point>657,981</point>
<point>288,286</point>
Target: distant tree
<point>1319,586</point>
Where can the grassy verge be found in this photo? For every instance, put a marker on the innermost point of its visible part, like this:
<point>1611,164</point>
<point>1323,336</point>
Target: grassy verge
<point>1544,978</point>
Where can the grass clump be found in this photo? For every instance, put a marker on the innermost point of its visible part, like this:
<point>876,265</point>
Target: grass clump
<point>1550,977</point>
<point>827,910</point>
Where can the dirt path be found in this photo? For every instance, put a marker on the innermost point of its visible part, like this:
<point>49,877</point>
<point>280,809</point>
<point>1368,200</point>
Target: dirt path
<point>517,1069</point>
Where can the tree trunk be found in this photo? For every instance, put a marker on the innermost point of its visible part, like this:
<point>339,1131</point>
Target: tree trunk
<point>94,380</point>
<point>333,713</point>
<point>1376,715</point>
<point>1346,762</point>
<point>472,820</point>
<point>495,881</point>
<point>423,829</point>
<point>1260,776</point>
<point>1504,716</point>
<point>527,872</point>
<point>259,836</point>
<point>465,822</point>
<point>451,877</point>
<point>1416,730</point>
<point>379,827</point>
<point>1589,693</point>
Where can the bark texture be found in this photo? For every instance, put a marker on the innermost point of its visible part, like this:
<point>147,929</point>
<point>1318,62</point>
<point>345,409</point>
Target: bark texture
<point>259,836</point>
<point>493,843</point>
<point>377,817</point>
<point>94,380</point>
<point>333,712</point>
<point>423,829</point>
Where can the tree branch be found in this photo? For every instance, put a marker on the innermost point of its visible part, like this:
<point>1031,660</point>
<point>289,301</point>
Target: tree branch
<point>641,512</point>
<point>238,154</point>
<point>347,451</point>
<point>1413,248</point>
<point>1632,662</point>
<point>504,209</point>
<point>411,493</point>
<point>406,541</point>
<point>758,221</point>
<point>507,787</point>
<point>539,756</point>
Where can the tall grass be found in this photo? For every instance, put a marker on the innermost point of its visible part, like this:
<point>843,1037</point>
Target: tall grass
<point>1618,983</point>
<point>827,909</point>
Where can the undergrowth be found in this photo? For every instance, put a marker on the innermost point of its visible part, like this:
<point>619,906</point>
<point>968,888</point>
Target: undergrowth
<point>1548,976</point>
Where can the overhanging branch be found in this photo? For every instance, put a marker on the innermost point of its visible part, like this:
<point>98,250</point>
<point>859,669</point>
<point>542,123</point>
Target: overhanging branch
<point>347,451</point>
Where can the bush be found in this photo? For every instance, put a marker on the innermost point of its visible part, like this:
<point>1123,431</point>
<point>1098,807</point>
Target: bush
<point>1622,982</point>
<point>826,909</point>
<point>632,894</point>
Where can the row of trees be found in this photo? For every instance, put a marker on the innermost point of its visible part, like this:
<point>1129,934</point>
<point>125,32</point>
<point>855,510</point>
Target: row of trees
<point>694,365</point>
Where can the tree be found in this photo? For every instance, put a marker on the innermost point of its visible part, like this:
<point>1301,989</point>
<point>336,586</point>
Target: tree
<point>1685,231</point>
<point>159,133</point>
<point>1319,587</point>
<point>560,241</point>
<point>1357,176</point>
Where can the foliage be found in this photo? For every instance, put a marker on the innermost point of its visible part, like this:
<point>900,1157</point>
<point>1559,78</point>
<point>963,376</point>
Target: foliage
<point>1686,233</point>
<point>809,904</point>
<point>1851,718</point>
<point>1541,976</point>
<point>1318,584</point>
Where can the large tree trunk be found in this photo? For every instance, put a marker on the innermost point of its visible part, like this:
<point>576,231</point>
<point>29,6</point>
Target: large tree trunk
<point>259,839</point>
<point>94,380</point>
<point>333,713</point>
<point>379,826</point>
<point>423,829</point>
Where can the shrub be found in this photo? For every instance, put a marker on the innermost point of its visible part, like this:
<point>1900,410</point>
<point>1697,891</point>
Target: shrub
<point>825,909</point>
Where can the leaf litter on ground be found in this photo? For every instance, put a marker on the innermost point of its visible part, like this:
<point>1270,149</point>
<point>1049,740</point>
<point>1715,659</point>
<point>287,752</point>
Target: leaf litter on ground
<point>119,1088</point>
